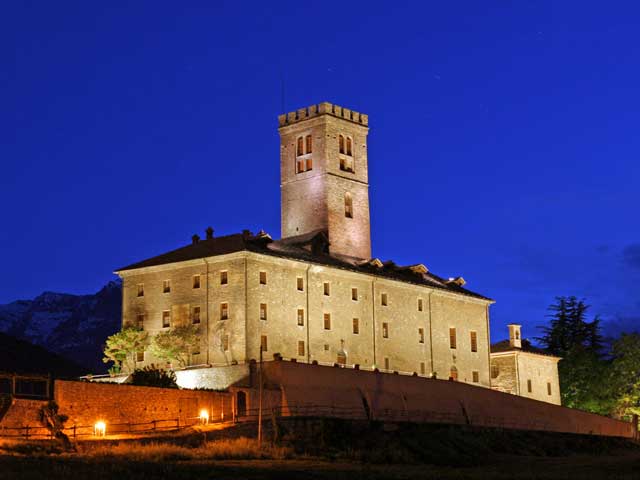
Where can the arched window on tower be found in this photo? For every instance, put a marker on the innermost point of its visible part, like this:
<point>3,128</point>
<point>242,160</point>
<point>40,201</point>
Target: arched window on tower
<point>348,205</point>
<point>308,144</point>
<point>346,156</point>
<point>304,161</point>
<point>341,143</point>
<point>348,146</point>
<point>300,150</point>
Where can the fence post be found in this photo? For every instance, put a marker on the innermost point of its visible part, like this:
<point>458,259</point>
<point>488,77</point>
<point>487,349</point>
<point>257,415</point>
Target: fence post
<point>26,433</point>
<point>154,425</point>
<point>74,431</point>
<point>178,423</point>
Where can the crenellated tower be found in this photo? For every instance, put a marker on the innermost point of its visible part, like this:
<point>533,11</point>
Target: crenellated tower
<point>324,177</point>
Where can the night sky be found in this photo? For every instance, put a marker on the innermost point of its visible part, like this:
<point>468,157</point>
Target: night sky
<point>503,147</point>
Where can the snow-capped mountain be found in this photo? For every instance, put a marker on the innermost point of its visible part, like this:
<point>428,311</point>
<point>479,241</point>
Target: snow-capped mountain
<point>74,326</point>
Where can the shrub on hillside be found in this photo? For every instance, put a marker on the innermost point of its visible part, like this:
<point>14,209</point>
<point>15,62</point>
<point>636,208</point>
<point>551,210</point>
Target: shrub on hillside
<point>152,376</point>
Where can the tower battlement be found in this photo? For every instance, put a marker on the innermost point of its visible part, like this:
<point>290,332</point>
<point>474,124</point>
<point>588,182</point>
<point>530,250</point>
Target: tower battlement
<point>324,108</point>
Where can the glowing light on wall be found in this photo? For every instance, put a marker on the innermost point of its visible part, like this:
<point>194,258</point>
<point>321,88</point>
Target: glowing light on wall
<point>100,429</point>
<point>204,417</point>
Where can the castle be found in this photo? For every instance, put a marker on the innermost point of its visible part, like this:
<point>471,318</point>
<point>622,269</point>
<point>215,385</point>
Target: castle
<point>317,295</point>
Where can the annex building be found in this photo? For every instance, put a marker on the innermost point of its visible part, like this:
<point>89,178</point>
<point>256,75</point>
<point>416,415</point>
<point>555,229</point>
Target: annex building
<point>317,294</point>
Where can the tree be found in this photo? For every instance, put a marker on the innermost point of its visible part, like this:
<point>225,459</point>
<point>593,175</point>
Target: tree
<point>54,422</point>
<point>177,344</point>
<point>152,376</point>
<point>625,375</point>
<point>121,348</point>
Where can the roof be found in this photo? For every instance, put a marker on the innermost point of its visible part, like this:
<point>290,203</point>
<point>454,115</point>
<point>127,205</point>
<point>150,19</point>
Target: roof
<point>505,346</point>
<point>312,248</point>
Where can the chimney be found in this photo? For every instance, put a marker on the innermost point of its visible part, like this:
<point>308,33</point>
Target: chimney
<point>209,232</point>
<point>195,239</point>
<point>515,339</point>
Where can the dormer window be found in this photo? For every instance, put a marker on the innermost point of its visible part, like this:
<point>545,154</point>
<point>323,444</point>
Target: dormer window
<point>304,147</point>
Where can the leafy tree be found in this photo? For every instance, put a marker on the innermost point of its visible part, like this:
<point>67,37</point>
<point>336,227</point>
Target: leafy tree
<point>152,376</point>
<point>121,348</point>
<point>54,422</point>
<point>625,375</point>
<point>176,345</point>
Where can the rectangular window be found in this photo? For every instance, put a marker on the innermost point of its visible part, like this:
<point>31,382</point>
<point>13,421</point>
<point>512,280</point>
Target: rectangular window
<point>452,337</point>
<point>387,366</point>
<point>300,317</point>
<point>529,386</point>
<point>548,388</point>
<point>356,326</point>
<point>300,165</point>
<point>140,321</point>
<point>224,278</point>
<point>300,284</point>
<point>419,304</point>
<point>225,343</point>
<point>300,146</point>
<point>309,144</point>
<point>196,281</point>
<point>141,289</point>
<point>474,341</point>
<point>263,278</point>
<point>326,347</point>
<point>309,163</point>
<point>327,289</point>
<point>263,343</point>
<point>384,301</point>
<point>354,294</point>
<point>263,311</point>
<point>421,335</point>
<point>166,319</point>
<point>327,321</point>
<point>385,330</point>
<point>140,356</point>
<point>195,315</point>
<point>300,348</point>
<point>495,371</point>
<point>476,377</point>
<point>224,311</point>
<point>166,286</point>
<point>423,369</point>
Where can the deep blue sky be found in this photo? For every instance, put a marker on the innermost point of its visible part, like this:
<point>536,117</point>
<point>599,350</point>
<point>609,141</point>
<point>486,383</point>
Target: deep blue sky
<point>504,140</point>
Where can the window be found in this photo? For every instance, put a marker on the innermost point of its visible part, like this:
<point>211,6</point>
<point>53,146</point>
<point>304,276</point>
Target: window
<point>386,364</point>
<point>452,338</point>
<point>385,330</point>
<point>301,317</point>
<point>421,335</point>
<point>166,319</point>
<point>327,289</point>
<point>300,284</point>
<point>300,149</point>
<point>453,374</point>
<point>341,143</point>
<point>419,304</point>
<point>140,321</point>
<point>326,347</point>
<point>300,348</point>
<point>356,326</point>
<point>263,278</point>
<point>495,371</point>
<point>348,205</point>
<point>140,356</point>
<point>474,341</point>
<point>327,321</point>
<point>384,300</point>
<point>529,386</point>
<point>263,311</point>
<point>354,294</point>
<point>548,388</point>
<point>141,289</point>
<point>196,281</point>
<point>263,343</point>
<point>308,144</point>
<point>423,369</point>
<point>517,335</point>
<point>195,315</point>
<point>224,311</point>
<point>348,146</point>
<point>341,358</point>
<point>224,278</point>
<point>225,343</point>
<point>346,164</point>
<point>166,286</point>
<point>476,376</point>
<point>302,164</point>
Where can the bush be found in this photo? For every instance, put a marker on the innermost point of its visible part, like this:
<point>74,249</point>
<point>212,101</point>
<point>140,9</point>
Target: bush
<point>152,376</point>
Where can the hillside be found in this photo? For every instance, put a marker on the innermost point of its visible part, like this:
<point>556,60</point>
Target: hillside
<point>73,326</point>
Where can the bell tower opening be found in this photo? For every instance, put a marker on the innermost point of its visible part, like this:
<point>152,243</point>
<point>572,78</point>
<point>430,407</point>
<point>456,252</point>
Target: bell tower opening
<point>324,177</point>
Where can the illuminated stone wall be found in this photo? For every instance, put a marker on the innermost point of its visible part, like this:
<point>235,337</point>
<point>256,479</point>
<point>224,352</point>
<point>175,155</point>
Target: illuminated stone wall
<point>507,378</point>
<point>516,369</point>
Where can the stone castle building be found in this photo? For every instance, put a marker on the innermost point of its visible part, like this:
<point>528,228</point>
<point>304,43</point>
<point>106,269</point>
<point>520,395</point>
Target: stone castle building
<point>317,294</point>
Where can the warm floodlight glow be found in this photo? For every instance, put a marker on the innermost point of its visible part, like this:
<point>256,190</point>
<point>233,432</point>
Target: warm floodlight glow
<point>204,417</point>
<point>100,429</point>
